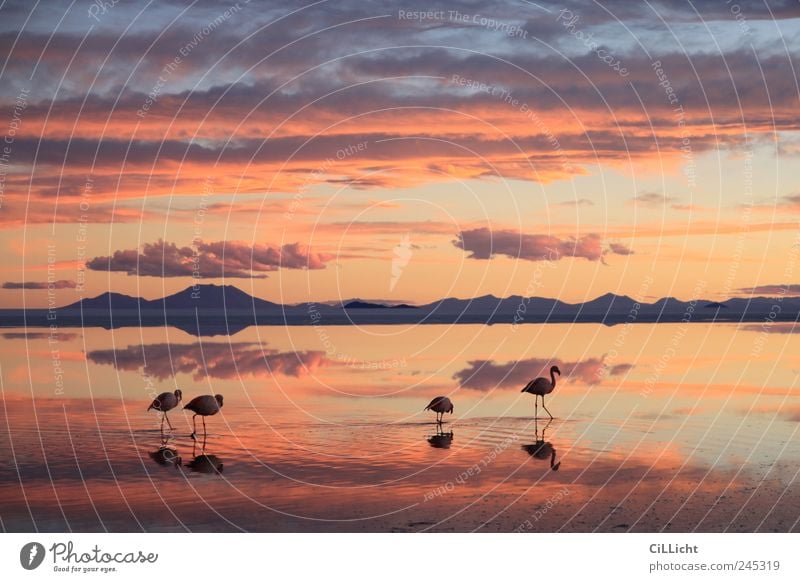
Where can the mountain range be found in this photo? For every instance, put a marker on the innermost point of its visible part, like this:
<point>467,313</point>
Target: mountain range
<point>224,309</point>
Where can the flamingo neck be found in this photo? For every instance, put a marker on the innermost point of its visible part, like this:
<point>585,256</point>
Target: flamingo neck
<point>553,378</point>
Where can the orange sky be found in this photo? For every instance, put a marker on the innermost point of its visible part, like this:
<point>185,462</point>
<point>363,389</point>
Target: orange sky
<point>306,156</point>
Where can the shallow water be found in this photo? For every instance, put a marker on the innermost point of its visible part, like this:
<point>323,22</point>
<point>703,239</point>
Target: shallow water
<point>658,428</point>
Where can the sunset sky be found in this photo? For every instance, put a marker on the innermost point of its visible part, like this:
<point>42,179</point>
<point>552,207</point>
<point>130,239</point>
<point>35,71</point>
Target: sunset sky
<point>315,151</point>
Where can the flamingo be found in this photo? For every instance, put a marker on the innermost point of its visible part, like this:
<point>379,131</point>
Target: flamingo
<point>165,402</point>
<point>541,387</point>
<point>205,405</point>
<point>440,405</point>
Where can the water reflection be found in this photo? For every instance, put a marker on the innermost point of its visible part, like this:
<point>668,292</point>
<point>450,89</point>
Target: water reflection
<point>485,375</point>
<point>284,440</point>
<point>166,454</point>
<point>204,462</point>
<point>208,464</point>
<point>209,360</point>
<point>441,440</point>
<point>542,449</point>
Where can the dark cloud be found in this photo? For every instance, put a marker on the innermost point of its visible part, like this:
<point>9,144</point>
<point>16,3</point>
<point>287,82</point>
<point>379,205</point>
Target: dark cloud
<point>485,375</point>
<point>39,285</point>
<point>594,116</point>
<point>38,335</point>
<point>484,243</point>
<point>789,413</point>
<point>209,360</point>
<point>209,260</point>
<point>619,249</point>
<point>781,328</point>
<point>652,199</point>
<point>771,290</point>
<point>573,203</point>
<point>356,72</point>
<point>620,369</point>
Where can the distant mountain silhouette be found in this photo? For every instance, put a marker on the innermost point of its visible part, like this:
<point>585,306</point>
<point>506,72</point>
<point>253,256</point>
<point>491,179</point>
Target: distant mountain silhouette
<point>208,296</point>
<point>225,309</point>
<point>364,305</point>
<point>609,303</point>
<point>213,297</point>
<point>113,300</point>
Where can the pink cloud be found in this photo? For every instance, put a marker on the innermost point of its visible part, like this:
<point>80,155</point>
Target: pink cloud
<point>209,260</point>
<point>484,243</point>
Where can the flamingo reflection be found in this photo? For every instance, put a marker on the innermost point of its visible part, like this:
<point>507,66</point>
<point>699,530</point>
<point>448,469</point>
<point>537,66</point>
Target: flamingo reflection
<point>166,454</point>
<point>542,449</point>
<point>441,440</point>
<point>208,464</point>
<point>204,463</point>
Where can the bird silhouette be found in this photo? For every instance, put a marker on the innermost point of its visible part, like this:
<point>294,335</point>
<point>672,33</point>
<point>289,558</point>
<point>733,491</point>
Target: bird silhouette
<point>166,455</point>
<point>542,387</point>
<point>440,405</point>
<point>204,463</point>
<point>441,440</point>
<point>165,402</point>
<point>203,406</point>
<point>542,449</point>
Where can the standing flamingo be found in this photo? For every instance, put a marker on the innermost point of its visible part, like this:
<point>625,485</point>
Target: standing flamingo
<point>205,405</point>
<point>165,402</point>
<point>440,405</point>
<point>541,387</point>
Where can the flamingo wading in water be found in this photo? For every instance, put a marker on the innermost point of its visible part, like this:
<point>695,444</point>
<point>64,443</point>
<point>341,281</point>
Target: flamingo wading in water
<point>440,405</point>
<point>541,387</point>
<point>165,402</point>
<point>205,405</point>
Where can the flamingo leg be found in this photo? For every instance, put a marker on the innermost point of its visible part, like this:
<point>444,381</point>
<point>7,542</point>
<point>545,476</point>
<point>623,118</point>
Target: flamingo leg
<point>536,406</point>
<point>194,427</point>
<point>545,408</point>
<point>205,432</point>
<point>168,422</point>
